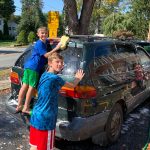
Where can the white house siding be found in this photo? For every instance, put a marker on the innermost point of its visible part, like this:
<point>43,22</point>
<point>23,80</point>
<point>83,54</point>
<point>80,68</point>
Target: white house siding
<point>12,28</point>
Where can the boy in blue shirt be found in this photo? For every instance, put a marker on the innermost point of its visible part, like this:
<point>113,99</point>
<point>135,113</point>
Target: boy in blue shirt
<point>32,69</point>
<point>44,114</point>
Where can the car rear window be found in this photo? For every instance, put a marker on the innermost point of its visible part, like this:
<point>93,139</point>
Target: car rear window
<point>73,56</point>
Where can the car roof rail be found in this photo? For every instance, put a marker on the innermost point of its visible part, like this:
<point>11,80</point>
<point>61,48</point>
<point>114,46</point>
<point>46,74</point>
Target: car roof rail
<point>88,38</point>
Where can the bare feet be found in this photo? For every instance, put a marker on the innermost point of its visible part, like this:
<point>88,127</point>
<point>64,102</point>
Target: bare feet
<point>26,111</point>
<point>19,109</point>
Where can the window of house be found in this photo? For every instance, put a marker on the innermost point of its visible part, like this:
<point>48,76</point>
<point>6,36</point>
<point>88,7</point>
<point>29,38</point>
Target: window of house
<point>9,28</point>
<point>0,22</point>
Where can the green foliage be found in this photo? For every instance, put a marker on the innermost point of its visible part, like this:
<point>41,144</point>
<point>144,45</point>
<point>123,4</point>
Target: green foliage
<point>32,16</point>
<point>31,37</point>
<point>102,9</point>
<point>22,37</point>
<point>15,18</point>
<point>116,22</point>
<point>5,37</point>
<point>1,35</point>
<point>6,31</point>
<point>140,14</point>
<point>7,8</point>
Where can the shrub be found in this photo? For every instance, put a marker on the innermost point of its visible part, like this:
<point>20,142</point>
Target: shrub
<point>22,38</point>
<point>123,34</point>
<point>1,35</point>
<point>31,37</point>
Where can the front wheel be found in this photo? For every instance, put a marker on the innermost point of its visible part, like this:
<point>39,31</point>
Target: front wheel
<point>114,123</point>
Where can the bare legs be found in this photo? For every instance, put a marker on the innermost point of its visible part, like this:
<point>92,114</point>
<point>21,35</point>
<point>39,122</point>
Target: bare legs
<point>28,99</point>
<point>33,148</point>
<point>28,91</point>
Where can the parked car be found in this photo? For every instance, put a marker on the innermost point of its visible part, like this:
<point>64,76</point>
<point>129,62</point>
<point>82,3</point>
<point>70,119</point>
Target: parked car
<point>116,81</point>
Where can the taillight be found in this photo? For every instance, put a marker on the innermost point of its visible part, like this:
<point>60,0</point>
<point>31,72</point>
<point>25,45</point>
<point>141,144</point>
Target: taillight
<point>82,92</point>
<point>14,78</point>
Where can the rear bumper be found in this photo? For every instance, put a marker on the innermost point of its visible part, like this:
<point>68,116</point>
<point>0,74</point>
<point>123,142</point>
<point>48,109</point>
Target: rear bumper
<point>78,129</point>
<point>81,128</point>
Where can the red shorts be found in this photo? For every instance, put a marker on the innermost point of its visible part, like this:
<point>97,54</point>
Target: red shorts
<point>42,139</point>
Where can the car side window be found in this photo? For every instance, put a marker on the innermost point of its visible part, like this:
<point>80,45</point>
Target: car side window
<point>101,68</point>
<point>124,47</point>
<point>144,58</point>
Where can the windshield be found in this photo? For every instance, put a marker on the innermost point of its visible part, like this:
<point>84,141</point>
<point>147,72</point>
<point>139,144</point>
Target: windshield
<point>73,56</point>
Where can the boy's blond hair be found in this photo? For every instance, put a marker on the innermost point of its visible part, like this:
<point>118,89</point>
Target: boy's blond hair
<point>42,28</point>
<point>55,55</point>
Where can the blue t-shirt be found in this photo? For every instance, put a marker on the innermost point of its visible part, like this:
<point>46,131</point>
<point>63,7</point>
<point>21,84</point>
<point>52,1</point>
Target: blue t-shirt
<point>37,60</point>
<point>44,114</point>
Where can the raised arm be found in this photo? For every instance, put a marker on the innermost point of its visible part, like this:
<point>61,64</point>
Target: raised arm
<point>53,50</point>
<point>78,77</point>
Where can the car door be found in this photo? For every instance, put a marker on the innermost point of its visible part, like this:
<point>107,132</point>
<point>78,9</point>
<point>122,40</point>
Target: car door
<point>127,72</point>
<point>144,59</point>
<point>137,66</point>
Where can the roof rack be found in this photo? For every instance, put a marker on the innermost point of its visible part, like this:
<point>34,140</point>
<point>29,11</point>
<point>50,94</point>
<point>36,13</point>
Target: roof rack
<point>88,38</point>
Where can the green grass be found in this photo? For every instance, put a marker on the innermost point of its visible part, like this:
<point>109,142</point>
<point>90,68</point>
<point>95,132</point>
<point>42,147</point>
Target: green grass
<point>7,43</point>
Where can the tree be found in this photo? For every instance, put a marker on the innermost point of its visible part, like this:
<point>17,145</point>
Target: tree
<point>79,12</point>
<point>101,10</point>
<point>22,37</point>
<point>7,8</point>
<point>116,22</point>
<point>31,37</point>
<point>15,18</point>
<point>32,16</point>
<point>79,22</point>
<point>140,13</point>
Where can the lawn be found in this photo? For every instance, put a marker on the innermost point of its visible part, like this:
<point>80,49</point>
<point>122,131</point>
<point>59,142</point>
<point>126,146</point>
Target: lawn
<point>7,43</point>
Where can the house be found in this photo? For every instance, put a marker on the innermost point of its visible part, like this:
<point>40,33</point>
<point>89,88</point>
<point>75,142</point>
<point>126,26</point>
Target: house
<point>12,26</point>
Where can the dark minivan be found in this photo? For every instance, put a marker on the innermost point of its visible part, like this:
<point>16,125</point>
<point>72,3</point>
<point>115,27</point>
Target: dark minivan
<point>117,79</point>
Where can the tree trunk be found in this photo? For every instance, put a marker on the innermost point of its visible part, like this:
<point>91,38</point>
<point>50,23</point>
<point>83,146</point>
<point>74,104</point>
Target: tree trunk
<point>79,25</point>
<point>71,8</point>
<point>85,17</point>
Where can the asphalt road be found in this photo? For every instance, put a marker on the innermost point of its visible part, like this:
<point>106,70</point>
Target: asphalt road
<point>14,135</point>
<point>8,56</point>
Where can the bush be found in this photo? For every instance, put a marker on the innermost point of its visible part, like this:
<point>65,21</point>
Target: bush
<point>31,37</point>
<point>1,35</point>
<point>22,38</point>
<point>5,37</point>
<point>123,34</point>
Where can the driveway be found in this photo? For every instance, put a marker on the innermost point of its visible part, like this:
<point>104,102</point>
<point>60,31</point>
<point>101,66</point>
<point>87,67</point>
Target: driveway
<point>14,135</point>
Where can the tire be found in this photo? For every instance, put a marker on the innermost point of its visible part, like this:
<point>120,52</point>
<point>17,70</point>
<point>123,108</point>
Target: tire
<point>114,124</point>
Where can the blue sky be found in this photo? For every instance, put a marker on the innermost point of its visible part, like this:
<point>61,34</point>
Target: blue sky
<point>49,5</point>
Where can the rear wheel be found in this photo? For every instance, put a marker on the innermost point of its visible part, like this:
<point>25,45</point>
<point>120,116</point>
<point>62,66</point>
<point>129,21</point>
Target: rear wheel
<point>114,123</point>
